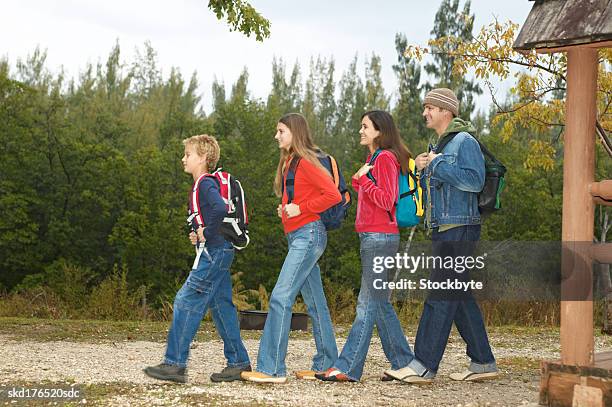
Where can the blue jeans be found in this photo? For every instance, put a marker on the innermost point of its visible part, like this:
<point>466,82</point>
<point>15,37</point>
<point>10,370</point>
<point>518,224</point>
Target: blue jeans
<point>439,314</point>
<point>300,274</point>
<point>209,285</point>
<point>374,308</point>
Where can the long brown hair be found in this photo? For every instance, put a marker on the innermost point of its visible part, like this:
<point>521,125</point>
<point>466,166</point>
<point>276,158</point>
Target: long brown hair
<point>302,146</point>
<point>389,138</point>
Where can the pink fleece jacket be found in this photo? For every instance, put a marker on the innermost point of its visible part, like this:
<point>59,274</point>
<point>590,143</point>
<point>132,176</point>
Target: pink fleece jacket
<point>376,202</point>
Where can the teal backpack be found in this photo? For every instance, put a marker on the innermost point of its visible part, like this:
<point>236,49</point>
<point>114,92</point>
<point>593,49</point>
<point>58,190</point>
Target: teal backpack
<point>409,206</point>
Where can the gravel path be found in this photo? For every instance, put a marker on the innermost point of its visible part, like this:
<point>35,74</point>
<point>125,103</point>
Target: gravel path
<point>120,365</point>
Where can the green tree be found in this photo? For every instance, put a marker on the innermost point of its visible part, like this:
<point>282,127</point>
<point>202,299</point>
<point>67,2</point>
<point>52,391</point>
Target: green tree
<point>375,97</point>
<point>409,107</point>
<point>285,95</point>
<point>450,23</point>
<point>241,16</point>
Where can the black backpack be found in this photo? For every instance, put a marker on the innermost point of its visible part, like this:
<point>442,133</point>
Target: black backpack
<point>235,224</point>
<point>332,218</point>
<point>489,199</point>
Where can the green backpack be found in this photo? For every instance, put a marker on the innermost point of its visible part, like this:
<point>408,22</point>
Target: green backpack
<point>489,199</point>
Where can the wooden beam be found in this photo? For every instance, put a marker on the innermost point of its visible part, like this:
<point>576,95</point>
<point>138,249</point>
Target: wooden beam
<point>566,48</point>
<point>602,202</point>
<point>601,189</point>
<point>602,252</point>
<point>578,207</point>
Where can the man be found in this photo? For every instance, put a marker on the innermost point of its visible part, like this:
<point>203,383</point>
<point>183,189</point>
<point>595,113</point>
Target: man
<point>453,174</point>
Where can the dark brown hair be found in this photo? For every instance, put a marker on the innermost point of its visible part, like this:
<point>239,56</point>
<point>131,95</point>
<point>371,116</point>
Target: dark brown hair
<point>389,138</point>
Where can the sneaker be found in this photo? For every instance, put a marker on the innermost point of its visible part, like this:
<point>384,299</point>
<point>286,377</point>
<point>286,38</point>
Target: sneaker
<point>259,377</point>
<point>164,371</point>
<point>407,375</point>
<point>306,374</point>
<point>469,376</point>
<point>333,375</point>
<point>229,374</point>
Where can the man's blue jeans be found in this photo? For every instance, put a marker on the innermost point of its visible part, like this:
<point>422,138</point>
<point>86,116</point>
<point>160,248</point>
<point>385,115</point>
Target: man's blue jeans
<point>300,274</point>
<point>208,286</point>
<point>374,308</point>
<point>440,313</point>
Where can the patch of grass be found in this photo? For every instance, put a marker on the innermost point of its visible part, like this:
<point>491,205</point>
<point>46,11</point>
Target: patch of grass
<point>43,330</point>
<point>82,330</point>
<point>519,363</point>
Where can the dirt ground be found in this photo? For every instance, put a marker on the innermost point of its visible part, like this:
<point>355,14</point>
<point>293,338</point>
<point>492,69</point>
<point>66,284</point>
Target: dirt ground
<point>108,370</point>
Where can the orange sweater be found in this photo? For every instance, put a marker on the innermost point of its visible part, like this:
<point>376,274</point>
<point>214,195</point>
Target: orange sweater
<point>314,192</point>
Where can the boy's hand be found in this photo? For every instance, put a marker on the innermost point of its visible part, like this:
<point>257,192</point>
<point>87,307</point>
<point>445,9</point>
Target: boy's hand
<point>292,210</point>
<point>201,237</point>
<point>279,210</point>
<point>193,238</point>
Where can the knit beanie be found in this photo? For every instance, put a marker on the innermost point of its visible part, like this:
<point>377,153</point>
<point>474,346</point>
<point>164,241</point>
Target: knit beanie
<point>443,98</point>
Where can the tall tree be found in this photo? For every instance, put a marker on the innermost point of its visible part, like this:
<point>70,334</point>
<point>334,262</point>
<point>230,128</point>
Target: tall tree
<point>408,109</point>
<point>319,105</point>
<point>284,95</point>
<point>451,23</point>
<point>375,97</point>
<point>350,107</point>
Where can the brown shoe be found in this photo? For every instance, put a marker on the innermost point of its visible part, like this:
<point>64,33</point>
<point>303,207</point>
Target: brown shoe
<point>306,374</point>
<point>259,377</point>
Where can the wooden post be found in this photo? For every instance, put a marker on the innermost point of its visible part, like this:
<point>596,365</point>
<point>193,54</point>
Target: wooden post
<point>578,207</point>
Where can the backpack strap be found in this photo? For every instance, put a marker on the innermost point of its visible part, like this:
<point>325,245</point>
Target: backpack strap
<point>445,140</point>
<point>334,167</point>
<point>289,183</point>
<point>418,192</point>
<point>371,162</point>
<point>194,202</point>
<point>412,184</point>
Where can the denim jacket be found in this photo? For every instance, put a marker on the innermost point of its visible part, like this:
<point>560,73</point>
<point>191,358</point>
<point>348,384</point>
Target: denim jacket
<point>453,181</point>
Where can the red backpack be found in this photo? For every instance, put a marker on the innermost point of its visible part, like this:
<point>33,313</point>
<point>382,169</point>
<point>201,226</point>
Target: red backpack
<point>235,224</point>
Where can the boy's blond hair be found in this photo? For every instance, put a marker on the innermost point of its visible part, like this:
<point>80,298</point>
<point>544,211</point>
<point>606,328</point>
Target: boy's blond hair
<point>205,145</point>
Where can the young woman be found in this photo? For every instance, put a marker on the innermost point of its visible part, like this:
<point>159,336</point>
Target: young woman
<point>379,236</point>
<point>314,192</point>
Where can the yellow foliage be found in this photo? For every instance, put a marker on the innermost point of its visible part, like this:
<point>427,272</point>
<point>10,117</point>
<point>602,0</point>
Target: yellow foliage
<point>490,54</point>
<point>540,156</point>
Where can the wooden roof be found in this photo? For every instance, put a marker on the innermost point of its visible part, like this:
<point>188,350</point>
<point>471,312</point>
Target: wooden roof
<point>561,23</point>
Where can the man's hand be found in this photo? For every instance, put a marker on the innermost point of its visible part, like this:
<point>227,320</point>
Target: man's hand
<point>431,156</point>
<point>193,238</point>
<point>292,210</point>
<point>421,161</point>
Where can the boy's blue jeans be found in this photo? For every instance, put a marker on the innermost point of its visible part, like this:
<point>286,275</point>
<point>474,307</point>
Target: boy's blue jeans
<point>439,313</point>
<point>374,308</point>
<point>300,274</point>
<point>208,286</point>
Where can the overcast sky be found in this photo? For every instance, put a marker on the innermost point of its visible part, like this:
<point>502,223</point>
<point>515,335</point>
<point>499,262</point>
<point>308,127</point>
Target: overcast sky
<point>187,35</point>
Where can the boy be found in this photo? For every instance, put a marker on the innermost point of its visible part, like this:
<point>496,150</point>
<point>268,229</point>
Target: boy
<point>209,283</point>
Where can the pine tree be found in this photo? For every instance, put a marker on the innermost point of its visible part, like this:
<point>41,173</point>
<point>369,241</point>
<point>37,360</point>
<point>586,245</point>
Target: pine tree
<point>374,91</point>
<point>409,107</point>
<point>449,22</point>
